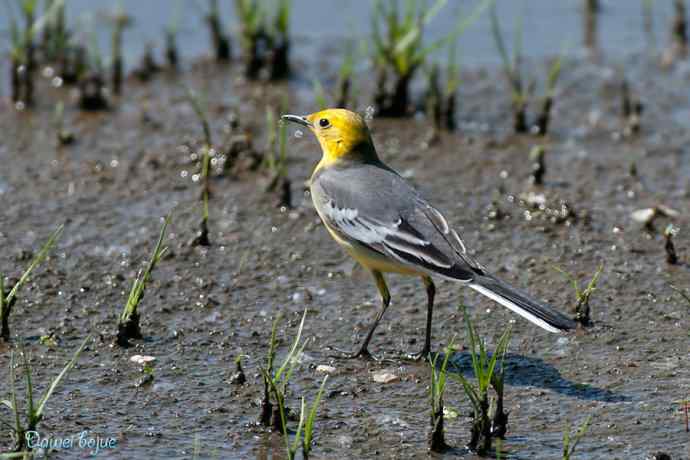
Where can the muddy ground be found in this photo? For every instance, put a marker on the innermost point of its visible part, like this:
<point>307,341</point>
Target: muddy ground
<point>205,306</point>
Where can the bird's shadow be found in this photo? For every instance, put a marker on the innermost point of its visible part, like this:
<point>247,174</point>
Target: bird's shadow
<point>534,372</point>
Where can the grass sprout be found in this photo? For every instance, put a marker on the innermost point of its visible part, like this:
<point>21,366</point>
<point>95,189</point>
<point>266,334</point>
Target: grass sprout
<point>582,296</point>
<point>399,48</point>
<point>23,47</point>
<point>487,374</point>
<point>128,324</point>
<point>220,40</point>
<point>34,410</point>
<point>206,153</point>
<point>265,38</point>
<point>170,33</point>
<point>570,441</point>
<point>437,442</point>
<point>452,84</point>
<point>276,382</point>
<point>120,20</point>
<point>522,89</point>
<point>275,161</point>
<point>8,298</point>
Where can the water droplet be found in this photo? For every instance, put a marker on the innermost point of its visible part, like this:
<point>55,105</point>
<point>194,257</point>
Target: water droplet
<point>299,133</point>
<point>274,229</point>
<point>19,106</point>
<point>283,209</point>
<point>195,177</point>
<point>369,113</point>
<point>114,163</point>
<point>56,82</point>
<point>184,174</point>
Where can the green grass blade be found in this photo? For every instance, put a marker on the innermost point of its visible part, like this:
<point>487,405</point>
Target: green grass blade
<point>56,381</point>
<point>30,409</point>
<point>13,394</point>
<point>470,391</point>
<point>137,291</point>
<point>572,280</point>
<point>309,426</point>
<point>476,365</point>
<point>501,348</point>
<point>289,362</point>
<point>580,433</point>
<point>298,434</point>
<point>272,344</point>
<point>38,258</point>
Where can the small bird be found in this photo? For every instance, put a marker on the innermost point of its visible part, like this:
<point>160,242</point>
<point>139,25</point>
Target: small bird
<point>388,227</point>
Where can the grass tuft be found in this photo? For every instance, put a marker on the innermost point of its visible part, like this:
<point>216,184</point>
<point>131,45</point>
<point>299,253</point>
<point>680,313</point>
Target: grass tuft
<point>265,38</point>
<point>219,39</point>
<point>582,296</point>
<point>570,441</point>
<point>197,102</point>
<point>276,384</point>
<point>521,86</point>
<point>128,324</point>
<point>119,20</point>
<point>399,48</point>
<point>9,297</point>
<point>34,410</point>
<point>487,374</point>
<point>437,442</point>
<point>275,158</point>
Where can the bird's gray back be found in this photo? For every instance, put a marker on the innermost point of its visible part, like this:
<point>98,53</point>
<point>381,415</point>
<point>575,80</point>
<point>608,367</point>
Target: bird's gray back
<point>372,204</point>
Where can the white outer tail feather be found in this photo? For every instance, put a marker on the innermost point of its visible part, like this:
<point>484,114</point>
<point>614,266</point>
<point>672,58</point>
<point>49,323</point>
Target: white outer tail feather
<point>515,308</point>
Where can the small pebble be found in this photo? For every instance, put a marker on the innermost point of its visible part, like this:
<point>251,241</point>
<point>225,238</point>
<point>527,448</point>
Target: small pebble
<point>385,377</point>
<point>325,369</point>
<point>139,359</point>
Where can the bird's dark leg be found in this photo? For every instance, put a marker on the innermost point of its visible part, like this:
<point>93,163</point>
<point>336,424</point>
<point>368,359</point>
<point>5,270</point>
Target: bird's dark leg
<point>385,302</point>
<point>430,293</point>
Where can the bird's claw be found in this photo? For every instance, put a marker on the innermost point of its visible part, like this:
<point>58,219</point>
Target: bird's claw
<point>363,353</point>
<point>422,355</point>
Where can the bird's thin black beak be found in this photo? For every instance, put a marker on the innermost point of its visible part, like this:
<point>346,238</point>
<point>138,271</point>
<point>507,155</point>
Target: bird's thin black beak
<point>297,119</point>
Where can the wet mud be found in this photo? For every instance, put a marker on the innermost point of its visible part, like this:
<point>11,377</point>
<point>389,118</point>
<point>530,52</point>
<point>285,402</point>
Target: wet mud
<point>130,166</point>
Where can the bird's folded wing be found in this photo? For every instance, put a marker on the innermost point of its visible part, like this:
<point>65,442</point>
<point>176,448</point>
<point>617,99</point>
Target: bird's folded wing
<point>410,232</point>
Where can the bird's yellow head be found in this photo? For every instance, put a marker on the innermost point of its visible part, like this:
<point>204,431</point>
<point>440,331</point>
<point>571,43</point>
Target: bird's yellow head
<point>342,134</point>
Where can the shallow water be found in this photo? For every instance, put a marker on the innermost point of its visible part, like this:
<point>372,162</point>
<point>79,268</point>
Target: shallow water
<point>322,26</point>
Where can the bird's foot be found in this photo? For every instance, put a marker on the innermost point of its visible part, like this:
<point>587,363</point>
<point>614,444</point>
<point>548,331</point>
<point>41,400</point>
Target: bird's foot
<point>362,353</point>
<point>422,355</point>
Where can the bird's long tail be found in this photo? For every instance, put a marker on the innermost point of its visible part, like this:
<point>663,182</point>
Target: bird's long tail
<point>540,314</point>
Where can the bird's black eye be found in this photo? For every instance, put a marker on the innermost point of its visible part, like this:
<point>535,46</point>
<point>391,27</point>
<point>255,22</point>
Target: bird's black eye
<point>324,123</point>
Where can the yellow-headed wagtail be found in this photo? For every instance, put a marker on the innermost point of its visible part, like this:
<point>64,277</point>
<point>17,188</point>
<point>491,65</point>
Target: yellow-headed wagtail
<point>384,224</point>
